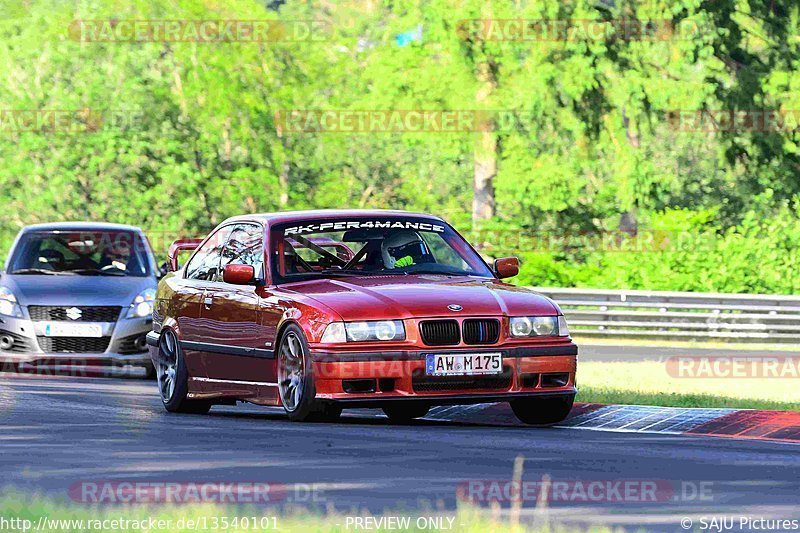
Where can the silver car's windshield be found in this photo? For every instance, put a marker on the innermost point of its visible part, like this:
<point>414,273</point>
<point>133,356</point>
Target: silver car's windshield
<point>80,252</point>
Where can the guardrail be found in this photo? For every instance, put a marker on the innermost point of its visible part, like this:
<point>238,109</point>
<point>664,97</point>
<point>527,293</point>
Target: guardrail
<point>679,315</point>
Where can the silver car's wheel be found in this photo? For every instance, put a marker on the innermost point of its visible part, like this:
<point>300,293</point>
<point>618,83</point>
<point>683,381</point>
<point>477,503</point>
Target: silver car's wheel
<point>291,371</point>
<point>167,365</point>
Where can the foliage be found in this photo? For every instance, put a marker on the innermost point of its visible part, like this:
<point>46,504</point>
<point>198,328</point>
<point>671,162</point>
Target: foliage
<point>682,252</point>
<point>588,146</point>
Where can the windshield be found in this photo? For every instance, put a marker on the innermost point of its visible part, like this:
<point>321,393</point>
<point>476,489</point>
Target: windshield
<point>88,253</point>
<point>368,246</point>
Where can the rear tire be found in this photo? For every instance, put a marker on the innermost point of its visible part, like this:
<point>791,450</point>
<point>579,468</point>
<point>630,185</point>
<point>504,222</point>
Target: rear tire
<point>542,411</point>
<point>173,378</point>
<point>403,414</point>
<point>296,381</point>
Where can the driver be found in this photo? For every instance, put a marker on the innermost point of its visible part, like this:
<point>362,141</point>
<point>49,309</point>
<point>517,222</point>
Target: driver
<point>403,249</point>
<point>51,260</point>
<point>116,256</point>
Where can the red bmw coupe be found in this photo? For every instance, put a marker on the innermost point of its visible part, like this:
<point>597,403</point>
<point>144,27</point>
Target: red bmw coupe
<point>316,311</point>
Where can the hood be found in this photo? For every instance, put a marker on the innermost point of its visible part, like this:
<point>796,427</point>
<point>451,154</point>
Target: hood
<point>76,290</point>
<point>401,297</point>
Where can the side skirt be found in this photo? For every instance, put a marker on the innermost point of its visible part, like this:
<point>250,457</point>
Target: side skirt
<point>262,393</point>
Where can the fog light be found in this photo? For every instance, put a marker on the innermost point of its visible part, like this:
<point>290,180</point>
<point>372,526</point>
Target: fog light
<point>6,342</point>
<point>141,343</point>
<point>555,380</point>
<point>358,386</point>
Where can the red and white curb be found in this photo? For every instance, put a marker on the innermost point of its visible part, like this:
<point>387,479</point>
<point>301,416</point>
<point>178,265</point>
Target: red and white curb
<point>745,424</point>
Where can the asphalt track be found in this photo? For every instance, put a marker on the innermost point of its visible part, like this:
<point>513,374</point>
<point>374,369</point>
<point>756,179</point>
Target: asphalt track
<point>59,431</point>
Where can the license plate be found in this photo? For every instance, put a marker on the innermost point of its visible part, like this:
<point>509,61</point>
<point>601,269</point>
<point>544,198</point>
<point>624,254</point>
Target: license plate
<point>463,364</point>
<point>61,329</point>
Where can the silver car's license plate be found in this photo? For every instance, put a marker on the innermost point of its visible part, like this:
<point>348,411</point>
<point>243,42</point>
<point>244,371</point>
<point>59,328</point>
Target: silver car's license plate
<point>61,329</point>
<point>463,364</point>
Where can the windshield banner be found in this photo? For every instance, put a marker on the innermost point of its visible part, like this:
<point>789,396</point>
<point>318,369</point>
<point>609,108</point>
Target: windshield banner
<point>363,224</point>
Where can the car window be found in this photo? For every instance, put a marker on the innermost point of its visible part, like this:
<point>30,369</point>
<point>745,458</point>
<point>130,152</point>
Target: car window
<point>244,247</point>
<point>311,256</point>
<point>205,264</point>
<point>359,246</point>
<point>442,253</point>
<point>84,252</point>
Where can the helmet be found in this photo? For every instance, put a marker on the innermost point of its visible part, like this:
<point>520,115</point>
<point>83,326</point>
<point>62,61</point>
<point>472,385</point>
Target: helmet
<point>402,244</point>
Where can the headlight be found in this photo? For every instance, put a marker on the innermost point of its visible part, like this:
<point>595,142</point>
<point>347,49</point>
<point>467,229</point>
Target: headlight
<point>334,333</point>
<point>520,326</point>
<point>381,330</point>
<point>538,326</point>
<point>8,303</point>
<point>142,305</point>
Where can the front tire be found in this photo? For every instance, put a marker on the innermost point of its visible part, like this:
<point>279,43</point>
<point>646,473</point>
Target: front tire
<point>542,411</point>
<point>296,381</point>
<point>173,378</point>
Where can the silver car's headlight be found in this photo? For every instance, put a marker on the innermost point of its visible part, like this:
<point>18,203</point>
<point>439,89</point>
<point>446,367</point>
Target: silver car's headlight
<point>8,303</point>
<point>379,330</point>
<point>142,305</point>
<point>538,326</point>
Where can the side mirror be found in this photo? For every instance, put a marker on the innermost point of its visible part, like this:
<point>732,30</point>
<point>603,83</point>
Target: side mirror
<point>239,274</point>
<point>506,267</point>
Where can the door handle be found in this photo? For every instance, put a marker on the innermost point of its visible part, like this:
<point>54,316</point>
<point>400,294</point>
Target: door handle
<point>207,301</point>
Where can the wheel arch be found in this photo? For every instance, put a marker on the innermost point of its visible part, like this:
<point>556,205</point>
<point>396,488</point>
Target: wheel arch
<point>282,329</point>
<point>169,323</point>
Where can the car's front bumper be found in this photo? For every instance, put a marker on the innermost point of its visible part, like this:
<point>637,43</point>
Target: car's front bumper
<point>376,378</point>
<point>125,352</point>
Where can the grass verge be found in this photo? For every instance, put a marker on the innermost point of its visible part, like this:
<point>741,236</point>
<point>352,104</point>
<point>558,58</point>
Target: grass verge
<point>649,383</point>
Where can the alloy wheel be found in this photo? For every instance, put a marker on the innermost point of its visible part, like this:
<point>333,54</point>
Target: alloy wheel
<point>167,365</point>
<point>291,371</point>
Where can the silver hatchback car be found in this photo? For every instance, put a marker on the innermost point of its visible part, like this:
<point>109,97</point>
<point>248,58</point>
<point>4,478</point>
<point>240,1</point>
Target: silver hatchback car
<point>78,298</point>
